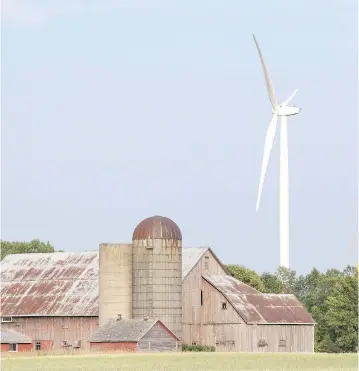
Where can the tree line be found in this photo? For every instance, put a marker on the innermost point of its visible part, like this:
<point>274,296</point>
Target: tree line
<point>23,247</point>
<point>331,297</point>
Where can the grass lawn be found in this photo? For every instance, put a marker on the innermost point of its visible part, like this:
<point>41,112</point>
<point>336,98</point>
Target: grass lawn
<point>182,361</point>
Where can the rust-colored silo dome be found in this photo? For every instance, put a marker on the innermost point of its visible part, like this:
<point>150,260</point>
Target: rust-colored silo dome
<point>157,227</point>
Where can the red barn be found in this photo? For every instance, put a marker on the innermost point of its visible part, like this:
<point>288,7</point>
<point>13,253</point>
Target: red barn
<point>134,335</point>
<point>12,341</point>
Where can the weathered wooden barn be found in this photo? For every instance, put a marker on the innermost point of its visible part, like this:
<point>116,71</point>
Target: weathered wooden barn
<point>56,299</point>
<point>134,335</point>
<point>234,317</point>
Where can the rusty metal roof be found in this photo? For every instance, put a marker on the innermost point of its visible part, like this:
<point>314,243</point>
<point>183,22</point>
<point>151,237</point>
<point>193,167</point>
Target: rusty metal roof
<point>157,227</point>
<point>128,330</point>
<point>258,308</point>
<point>66,284</point>
<point>56,284</point>
<point>59,284</point>
<point>13,337</point>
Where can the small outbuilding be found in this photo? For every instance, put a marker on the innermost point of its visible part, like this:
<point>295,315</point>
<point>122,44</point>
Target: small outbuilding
<point>12,341</point>
<point>134,335</point>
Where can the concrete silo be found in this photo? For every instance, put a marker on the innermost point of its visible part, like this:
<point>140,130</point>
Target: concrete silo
<point>157,272</point>
<point>115,281</point>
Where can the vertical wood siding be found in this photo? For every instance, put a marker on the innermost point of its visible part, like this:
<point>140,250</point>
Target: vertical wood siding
<point>56,329</point>
<point>193,312</point>
<point>158,339</point>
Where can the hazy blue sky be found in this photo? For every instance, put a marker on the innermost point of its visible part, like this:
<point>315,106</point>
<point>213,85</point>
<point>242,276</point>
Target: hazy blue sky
<point>113,111</point>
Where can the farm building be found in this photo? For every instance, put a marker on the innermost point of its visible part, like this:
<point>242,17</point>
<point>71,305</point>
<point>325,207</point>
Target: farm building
<point>130,335</point>
<point>12,341</point>
<point>61,299</point>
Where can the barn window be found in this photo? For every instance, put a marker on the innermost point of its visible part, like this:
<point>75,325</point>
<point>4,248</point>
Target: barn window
<point>201,297</point>
<point>262,343</point>
<point>6,319</point>
<point>206,260</point>
<point>12,347</point>
<point>282,342</point>
<point>37,345</point>
<point>224,305</point>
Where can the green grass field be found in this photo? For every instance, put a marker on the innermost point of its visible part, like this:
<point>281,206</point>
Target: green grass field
<point>183,361</point>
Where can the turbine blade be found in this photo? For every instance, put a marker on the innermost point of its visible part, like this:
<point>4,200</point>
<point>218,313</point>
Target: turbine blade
<point>267,150</point>
<point>269,84</point>
<point>290,98</point>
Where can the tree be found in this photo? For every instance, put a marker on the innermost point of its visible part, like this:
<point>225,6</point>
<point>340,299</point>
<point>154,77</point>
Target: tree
<point>288,279</point>
<point>342,315</point>
<point>272,283</point>
<point>22,247</point>
<point>320,287</point>
<point>327,345</point>
<point>246,276</point>
<point>307,284</point>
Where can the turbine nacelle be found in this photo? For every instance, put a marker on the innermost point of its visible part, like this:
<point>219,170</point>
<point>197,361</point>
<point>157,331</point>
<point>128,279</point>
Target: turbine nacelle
<point>286,111</point>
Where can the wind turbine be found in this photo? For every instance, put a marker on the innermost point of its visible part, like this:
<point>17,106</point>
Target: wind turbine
<point>283,111</point>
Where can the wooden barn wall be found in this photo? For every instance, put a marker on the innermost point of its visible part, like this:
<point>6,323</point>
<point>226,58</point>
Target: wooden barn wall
<point>56,329</point>
<point>245,338</point>
<point>158,339</point>
<point>195,316</point>
<point>294,338</point>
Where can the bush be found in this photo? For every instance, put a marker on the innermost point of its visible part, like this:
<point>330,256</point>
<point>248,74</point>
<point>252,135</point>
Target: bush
<point>197,348</point>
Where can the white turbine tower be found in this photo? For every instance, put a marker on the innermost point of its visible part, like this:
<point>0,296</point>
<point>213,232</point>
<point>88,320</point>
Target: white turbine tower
<point>282,110</point>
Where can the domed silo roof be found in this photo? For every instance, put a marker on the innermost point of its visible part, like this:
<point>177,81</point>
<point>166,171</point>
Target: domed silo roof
<point>157,227</point>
